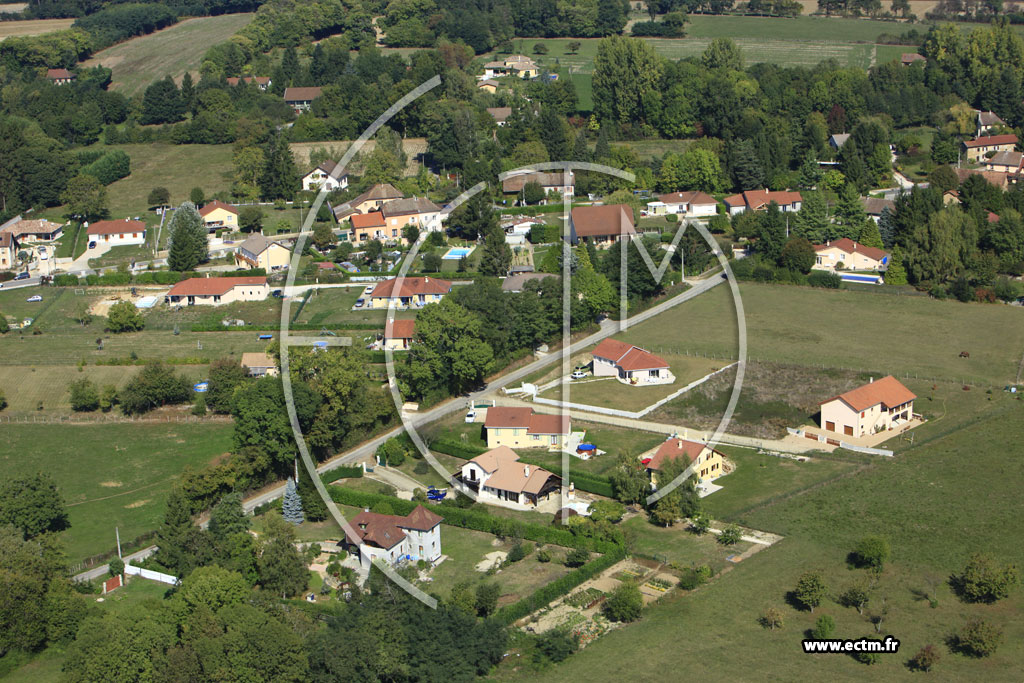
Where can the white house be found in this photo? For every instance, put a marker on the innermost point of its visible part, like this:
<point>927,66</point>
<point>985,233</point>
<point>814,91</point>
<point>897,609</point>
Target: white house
<point>498,475</point>
<point>217,291</point>
<point>557,181</point>
<point>395,539</point>
<point>118,233</point>
<point>630,364</point>
<point>686,204</point>
<point>321,177</point>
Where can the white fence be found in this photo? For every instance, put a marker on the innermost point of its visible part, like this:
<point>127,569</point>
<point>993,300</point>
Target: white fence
<point>150,574</point>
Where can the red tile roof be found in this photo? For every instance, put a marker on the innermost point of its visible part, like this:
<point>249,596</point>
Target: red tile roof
<point>848,246</point>
<point>627,356</point>
<point>217,204</point>
<point>757,199</point>
<point>524,418</point>
<point>213,286</point>
<point>421,519</point>
<point>307,94</point>
<point>496,457</point>
<point>911,57</point>
<point>56,74</point>
<point>116,227</point>
<point>692,197</point>
<point>362,221</point>
<point>548,424</point>
<point>602,221</point>
<point>411,286</point>
<point>991,140</point>
<point>674,448</point>
<point>401,329</point>
<point>888,391</point>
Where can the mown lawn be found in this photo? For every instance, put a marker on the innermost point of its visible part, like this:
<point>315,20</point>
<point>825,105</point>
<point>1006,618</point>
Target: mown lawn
<point>877,333</point>
<point>111,475</point>
<point>678,545</point>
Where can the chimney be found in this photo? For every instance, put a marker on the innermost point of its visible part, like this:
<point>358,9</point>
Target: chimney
<point>366,509</point>
<point>871,381</point>
<point>526,470</point>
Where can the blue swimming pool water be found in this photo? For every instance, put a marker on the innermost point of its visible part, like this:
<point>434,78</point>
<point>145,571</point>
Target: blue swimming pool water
<point>456,253</point>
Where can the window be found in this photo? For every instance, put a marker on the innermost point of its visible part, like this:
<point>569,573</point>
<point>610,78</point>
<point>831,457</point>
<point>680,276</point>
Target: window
<point>515,432</point>
<point>216,297</point>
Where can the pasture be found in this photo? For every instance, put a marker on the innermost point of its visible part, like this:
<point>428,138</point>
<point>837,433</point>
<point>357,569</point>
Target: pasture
<point>414,149</point>
<point>869,332</point>
<point>31,27</point>
<point>111,475</point>
<point>170,52</point>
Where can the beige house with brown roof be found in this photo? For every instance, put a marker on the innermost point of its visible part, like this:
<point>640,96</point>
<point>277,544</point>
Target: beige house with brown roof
<point>687,204</point>
<point>217,291</point>
<point>850,255</point>
<point>32,230</point>
<point>7,251</point>
<point>118,233</point>
<point>414,292</point>
<point>60,76</point>
<point>399,336</point>
<point>217,215</point>
<point>602,225</point>
<point>418,211</point>
<point>395,538</point>
<point>1005,162</point>
<point>301,99</point>
<point>556,181</point>
<point>371,200</point>
<point>498,475</point>
<point>500,114</point>
<point>759,200</point>
<point>523,428</point>
<point>977,149</point>
<point>703,462</point>
<point>630,364</point>
<point>259,252</point>
<point>260,364</point>
<point>874,407</point>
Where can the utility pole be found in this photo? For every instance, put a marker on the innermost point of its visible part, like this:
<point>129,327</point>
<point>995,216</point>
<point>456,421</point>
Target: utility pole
<point>117,533</point>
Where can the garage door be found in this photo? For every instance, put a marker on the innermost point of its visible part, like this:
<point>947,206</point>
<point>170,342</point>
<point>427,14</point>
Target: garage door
<point>848,430</point>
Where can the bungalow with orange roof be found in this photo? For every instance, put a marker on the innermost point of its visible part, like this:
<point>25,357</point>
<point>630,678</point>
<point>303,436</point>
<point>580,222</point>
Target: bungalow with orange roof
<point>217,291</point>
<point>498,475</point>
<point>394,538</point>
<point>218,214</point>
<point>59,76</point>
<point>118,233</point>
<point>980,148</point>
<point>414,292</point>
<point>758,200</point>
<point>874,407</point>
<point>366,226</point>
<point>523,428</point>
<point>702,461</point>
<point>687,204</point>
<point>602,225</point>
<point>418,211</point>
<point>399,336</point>
<point>630,364</point>
<point>850,255</point>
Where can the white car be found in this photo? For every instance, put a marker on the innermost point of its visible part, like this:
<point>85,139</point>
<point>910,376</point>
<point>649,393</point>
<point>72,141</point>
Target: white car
<point>471,416</point>
<point>34,298</point>
<point>578,374</point>
<point>368,290</point>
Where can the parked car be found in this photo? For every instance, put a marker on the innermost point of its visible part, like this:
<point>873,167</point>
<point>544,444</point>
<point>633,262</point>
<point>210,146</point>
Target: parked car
<point>277,293</point>
<point>22,276</point>
<point>368,290</point>
<point>578,374</point>
<point>92,244</point>
<point>34,298</point>
<point>42,253</point>
<point>359,303</point>
<point>471,416</point>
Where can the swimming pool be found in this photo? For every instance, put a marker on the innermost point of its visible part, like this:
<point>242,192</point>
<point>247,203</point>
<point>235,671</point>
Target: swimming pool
<point>456,253</point>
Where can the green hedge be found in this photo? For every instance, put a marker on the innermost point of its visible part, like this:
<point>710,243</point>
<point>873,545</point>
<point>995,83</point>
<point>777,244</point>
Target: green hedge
<point>476,520</point>
<point>343,472</point>
<point>110,167</point>
<point>556,589</point>
<point>459,450</point>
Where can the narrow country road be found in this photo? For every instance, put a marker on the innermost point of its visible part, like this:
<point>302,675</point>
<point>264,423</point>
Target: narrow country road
<point>608,328</point>
<point>103,570</point>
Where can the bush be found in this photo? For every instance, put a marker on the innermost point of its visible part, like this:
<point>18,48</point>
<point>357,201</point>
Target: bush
<point>576,558</point>
<point>65,280</point>
<point>824,627</point>
<point>155,385</point>
<point>517,553</point>
<point>543,556</point>
<point>542,233</point>
<point>810,589</point>
<point>84,396</point>
<point>982,580</point>
<point>871,552</point>
<point>625,603</point>
<point>116,566</point>
<point>731,535</point>
<point>771,618</point>
<point>825,279</point>
<point>868,658</point>
<point>555,645</point>
<point>694,576</point>
<point>112,166</point>
<point>925,659</point>
<point>124,317</point>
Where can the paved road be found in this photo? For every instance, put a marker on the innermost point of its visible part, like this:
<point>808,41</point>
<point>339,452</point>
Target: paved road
<point>103,570</point>
<point>18,284</point>
<point>608,328</point>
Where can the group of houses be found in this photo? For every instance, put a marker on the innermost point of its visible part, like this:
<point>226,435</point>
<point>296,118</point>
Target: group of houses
<point>383,212</point>
<point>18,234</point>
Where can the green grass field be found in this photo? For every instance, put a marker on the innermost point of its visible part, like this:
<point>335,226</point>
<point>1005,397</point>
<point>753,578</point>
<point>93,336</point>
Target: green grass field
<point>678,545</point>
<point>867,332</point>
<point>111,474</point>
<point>173,51</point>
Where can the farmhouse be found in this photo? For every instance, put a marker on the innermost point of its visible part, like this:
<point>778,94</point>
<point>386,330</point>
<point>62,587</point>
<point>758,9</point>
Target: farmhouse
<point>322,177</point>
<point>418,211</point>
<point>259,364</point>
<point>758,200</point>
<point>874,407</point>
<point>488,85</point>
<point>600,225</point>
<point>259,252</point>
<point>1005,162</point>
<point>704,462</point>
<point>850,255</point>
<point>516,65</point>
<point>59,76</point>
<point>217,291</point>
<point>559,182</point>
<point>498,475</point>
<point>630,364</point>
<point>399,338</point>
<point>686,204</point>
<point>415,291</point>
<point>1000,180</point>
<point>394,538</point>
<point>217,215</point>
<point>988,122</point>
<point>371,200</point>
<point>36,230</point>
<point>977,149</point>
<point>300,99</point>
<point>262,82</point>
<point>118,233</point>
<point>523,428</point>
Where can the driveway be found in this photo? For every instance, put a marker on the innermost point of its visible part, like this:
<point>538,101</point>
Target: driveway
<point>82,262</point>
